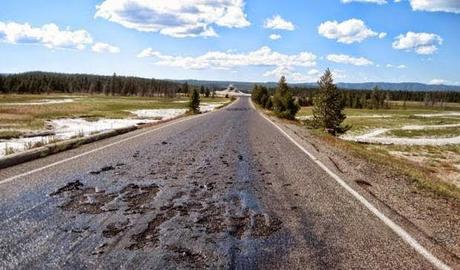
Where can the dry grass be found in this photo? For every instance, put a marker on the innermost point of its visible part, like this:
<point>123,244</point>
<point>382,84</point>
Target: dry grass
<point>421,174</point>
<point>431,166</point>
<point>90,107</point>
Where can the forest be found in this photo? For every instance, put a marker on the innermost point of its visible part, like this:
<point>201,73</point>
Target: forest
<point>379,99</point>
<point>45,83</point>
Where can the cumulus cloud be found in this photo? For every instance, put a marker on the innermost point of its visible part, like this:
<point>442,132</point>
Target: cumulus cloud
<point>277,22</point>
<point>283,64</point>
<point>421,43</point>
<point>452,6</point>
<point>346,59</point>
<point>380,2</point>
<point>100,47</point>
<point>176,18</point>
<point>48,35</point>
<point>292,75</point>
<point>227,60</point>
<point>350,31</point>
<point>275,36</point>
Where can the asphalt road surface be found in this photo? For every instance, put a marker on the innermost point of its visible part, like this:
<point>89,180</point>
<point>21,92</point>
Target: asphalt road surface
<point>224,190</point>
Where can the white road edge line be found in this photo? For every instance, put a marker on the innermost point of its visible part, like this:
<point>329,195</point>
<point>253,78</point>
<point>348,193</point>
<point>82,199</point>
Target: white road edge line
<point>13,178</point>
<point>393,226</point>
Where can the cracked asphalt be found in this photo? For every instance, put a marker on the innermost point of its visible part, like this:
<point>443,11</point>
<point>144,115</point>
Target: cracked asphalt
<point>225,190</point>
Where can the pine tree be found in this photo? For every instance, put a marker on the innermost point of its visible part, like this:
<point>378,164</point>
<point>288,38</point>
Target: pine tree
<point>207,92</point>
<point>278,102</point>
<point>284,104</point>
<point>186,89</point>
<point>269,104</point>
<point>328,106</point>
<point>1,83</point>
<point>194,104</point>
<point>375,97</point>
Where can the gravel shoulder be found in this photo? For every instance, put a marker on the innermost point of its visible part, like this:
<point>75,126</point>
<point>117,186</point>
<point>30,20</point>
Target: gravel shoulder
<point>432,216</point>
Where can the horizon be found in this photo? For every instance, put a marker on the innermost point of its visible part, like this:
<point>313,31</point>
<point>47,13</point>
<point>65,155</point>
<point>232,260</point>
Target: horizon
<point>237,40</point>
<point>228,81</point>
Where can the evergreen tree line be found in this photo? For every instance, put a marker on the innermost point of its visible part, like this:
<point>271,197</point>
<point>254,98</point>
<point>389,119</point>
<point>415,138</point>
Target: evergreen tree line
<point>379,99</point>
<point>328,103</point>
<point>45,83</point>
<point>282,102</point>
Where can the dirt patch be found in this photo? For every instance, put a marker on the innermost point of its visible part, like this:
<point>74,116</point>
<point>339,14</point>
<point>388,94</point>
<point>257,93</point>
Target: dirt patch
<point>113,229</point>
<point>238,226</point>
<point>103,169</point>
<point>188,257</point>
<point>363,183</point>
<point>72,186</point>
<point>83,200</point>
<point>150,236</point>
<point>136,197</point>
<point>264,225</point>
<point>212,219</point>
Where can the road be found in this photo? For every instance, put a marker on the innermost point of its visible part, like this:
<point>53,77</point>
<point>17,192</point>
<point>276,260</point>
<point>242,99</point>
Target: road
<point>223,190</point>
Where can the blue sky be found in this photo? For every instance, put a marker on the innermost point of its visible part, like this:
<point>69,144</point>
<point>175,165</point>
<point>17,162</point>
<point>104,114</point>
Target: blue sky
<point>252,40</point>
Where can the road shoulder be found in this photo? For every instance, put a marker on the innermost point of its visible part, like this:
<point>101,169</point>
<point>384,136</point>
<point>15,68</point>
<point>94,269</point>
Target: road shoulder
<point>420,211</point>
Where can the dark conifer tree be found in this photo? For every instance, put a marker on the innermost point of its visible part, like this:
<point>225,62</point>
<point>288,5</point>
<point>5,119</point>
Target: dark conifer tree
<point>194,104</point>
<point>328,106</point>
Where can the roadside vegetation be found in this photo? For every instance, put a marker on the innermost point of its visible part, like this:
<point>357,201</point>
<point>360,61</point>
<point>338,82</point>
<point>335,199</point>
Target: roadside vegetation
<point>194,103</point>
<point>282,103</point>
<point>91,107</point>
<point>328,106</point>
<point>416,133</point>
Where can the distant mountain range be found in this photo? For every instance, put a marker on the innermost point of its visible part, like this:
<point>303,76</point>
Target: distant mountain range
<point>404,86</point>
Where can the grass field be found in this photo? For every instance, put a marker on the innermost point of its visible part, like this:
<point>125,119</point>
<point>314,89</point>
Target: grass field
<point>14,118</point>
<point>412,122</point>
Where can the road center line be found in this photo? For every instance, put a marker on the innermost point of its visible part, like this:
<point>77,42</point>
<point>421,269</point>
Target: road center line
<point>393,226</point>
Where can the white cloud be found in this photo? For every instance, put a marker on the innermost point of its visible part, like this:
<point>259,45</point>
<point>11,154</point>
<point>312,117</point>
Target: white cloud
<point>292,75</point>
<point>350,31</point>
<point>396,66</point>
<point>48,35</point>
<point>421,43</point>
<point>275,36</point>
<point>452,6</point>
<point>100,47</point>
<point>283,64</point>
<point>380,2</point>
<point>346,59</point>
<point>176,18</point>
<point>438,81</point>
<point>279,23</point>
<point>227,60</point>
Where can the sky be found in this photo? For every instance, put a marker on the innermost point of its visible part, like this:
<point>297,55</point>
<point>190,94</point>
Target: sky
<point>239,40</point>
